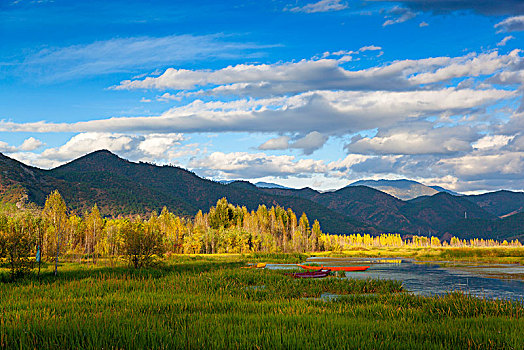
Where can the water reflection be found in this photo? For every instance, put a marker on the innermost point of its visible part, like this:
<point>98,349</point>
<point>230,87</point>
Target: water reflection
<point>490,281</point>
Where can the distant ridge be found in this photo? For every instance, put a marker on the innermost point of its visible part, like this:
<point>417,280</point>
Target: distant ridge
<point>261,184</point>
<point>403,189</point>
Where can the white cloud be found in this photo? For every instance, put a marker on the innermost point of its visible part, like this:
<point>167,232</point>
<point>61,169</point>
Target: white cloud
<point>308,144</point>
<point>342,167</point>
<point>511,24</point>
<point>262,80</point>
<point>277,143</point>
<point>423,24</point>
<point>470,66</point>
<point>504,41</point>
<point>249,166</point>
<point>398,15</point>
<point>342,112</point>
<point>421,139</point>
<point>150,147</point>
<point>321,6</point>
<point>6,148</point>
<point>492,142</point>
<point>370,48</point>
<point>474,166</point>
<point>30,144</point>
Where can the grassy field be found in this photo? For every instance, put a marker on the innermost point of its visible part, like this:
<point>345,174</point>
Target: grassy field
<point>502,255</point>
<point>209,302</point>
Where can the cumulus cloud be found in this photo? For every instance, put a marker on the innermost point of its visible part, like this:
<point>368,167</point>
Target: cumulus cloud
<point>343,112</point>
<point>492,142</point>
<point>342,167</point>
<point>487,166</point>
<point>470,66</point>
<point>29,144</point>
<point>277,143</point>
<point>320,6</point>
<point>308,144</point>
<point>6,148</point>
<point>262,80</point>
<point>150,147</point>
<point>420,138</point>
<point>511,24</point>
<point>254,165</point>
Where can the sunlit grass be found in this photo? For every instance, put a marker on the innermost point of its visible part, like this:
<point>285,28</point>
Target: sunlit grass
<point>209,302</point>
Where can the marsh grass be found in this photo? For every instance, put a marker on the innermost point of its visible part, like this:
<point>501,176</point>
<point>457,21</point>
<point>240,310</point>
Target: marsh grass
<point>208,302</point>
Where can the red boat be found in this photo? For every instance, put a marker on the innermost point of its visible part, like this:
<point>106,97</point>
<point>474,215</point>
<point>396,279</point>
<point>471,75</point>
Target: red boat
<point>310,274</point>
<point>335,268</point>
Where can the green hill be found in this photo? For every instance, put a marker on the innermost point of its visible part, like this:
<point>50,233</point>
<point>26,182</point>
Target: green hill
<point>427,215</point>
<point>511,227</point>
<point>500,203</point>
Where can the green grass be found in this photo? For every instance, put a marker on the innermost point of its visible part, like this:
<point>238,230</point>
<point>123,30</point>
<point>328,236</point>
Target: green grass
<point>209,302</point>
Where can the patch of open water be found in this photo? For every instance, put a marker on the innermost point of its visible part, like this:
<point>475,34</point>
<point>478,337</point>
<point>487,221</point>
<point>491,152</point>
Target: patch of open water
<point>496,281</point>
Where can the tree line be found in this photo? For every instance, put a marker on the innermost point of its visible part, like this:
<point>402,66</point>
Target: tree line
<point>30,236</point>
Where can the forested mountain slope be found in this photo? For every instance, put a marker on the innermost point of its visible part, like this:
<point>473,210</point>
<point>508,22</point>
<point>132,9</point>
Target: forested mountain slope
<point>120,187</point>
<point>425,215</point>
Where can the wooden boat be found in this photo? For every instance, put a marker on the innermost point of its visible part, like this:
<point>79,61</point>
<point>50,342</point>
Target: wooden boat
<point>257,266</point>
<point>310,274</point>
<point>335,268</point>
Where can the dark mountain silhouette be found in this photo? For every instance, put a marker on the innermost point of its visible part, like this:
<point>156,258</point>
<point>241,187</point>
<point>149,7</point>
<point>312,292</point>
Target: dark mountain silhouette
<point>402,189</point>
<point>423,215</point>
<point>500,203</point>
<point>509,228</point>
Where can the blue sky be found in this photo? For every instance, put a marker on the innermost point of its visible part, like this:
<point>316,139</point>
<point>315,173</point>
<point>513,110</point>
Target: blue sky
<point>300,93</point>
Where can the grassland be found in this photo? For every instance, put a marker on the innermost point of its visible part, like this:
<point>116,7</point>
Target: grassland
<point>502,255</point>
<point>209,302</point>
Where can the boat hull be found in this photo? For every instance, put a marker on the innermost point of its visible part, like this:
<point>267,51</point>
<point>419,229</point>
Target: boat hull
<point>335,268</point>
<point>311,274</point>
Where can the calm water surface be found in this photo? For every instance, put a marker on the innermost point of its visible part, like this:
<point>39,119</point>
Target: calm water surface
<point>497,281</point>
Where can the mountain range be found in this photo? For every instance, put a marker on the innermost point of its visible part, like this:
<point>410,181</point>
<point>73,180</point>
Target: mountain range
<point>403,189</point>
<point>121,187</point>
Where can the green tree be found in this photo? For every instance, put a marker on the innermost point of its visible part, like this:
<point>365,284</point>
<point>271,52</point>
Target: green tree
<point>55,210</point>
<point>315,235</point>
<point>140,242</point>
<point>94,225</point>
<point>222,215</point>
<point>15,245</point>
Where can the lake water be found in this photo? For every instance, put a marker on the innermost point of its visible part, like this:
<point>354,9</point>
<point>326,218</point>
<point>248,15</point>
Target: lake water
<point>496,281</point>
